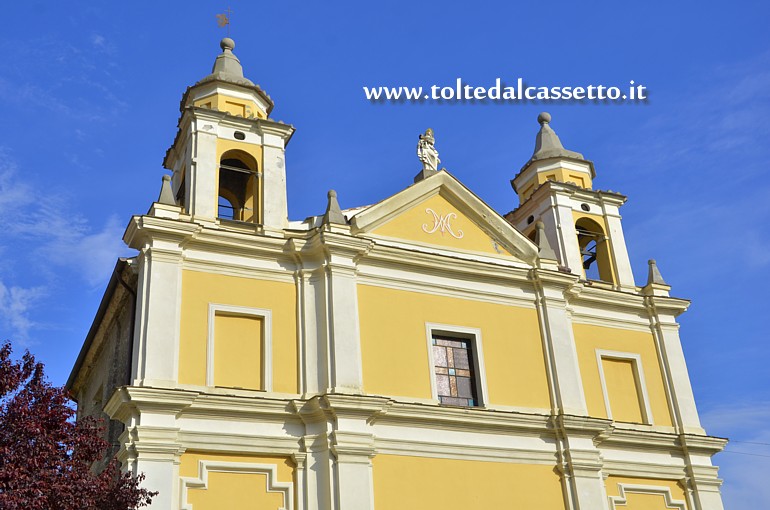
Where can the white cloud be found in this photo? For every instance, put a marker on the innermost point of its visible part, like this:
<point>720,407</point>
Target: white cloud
<point>746,460</point>
<point>99,249</point>
<point>16,304</point>
<point>54,235</point>
<point>98,40</point>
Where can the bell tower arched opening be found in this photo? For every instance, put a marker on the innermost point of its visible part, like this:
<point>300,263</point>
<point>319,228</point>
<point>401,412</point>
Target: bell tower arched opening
<point>238,191</point>
<point>594,250</point>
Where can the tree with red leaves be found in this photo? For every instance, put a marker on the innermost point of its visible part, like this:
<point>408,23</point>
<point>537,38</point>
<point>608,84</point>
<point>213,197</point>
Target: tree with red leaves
<point>46,457</point>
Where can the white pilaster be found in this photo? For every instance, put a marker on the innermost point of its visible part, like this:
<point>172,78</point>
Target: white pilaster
<point>313,326</point>
<point>156,337</point>
<point>556,328</point>
<point>204,188</point>
<point>666,332</point>
<point>275,209</point>
<point>343,330</point>
<point>161,476</point>
<point>343,327</point>
<point>618,250</point>
<point>581,461</point>
<point>569,251</point>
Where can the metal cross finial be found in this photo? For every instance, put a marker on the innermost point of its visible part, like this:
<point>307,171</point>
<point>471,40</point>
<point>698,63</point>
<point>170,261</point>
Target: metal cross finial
<point>223,20</point>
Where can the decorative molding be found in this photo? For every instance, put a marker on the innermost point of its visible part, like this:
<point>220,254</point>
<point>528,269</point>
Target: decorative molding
<point>431,284</point>
<point>596,319</point>
<point>467,420</point>
<point>217,441</point>
<point>641,385</point>
<point>623,488</point>
<point>205,466</point>
<point>635,469</point>
<point>441,224</point>
<point>267,339</point>
<point>239,271</point>
<point>389,446</point>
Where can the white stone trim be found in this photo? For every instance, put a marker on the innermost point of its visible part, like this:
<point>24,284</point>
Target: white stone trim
<point>641,385</point>
<point>623,488</point>
<point>205,466</point>
<point>466,333</point>
<point>267,340</point>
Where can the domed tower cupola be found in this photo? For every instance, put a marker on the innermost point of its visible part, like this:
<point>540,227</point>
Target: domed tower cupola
<point>582,225</point>
<point>552,162</point>
<point>228,158</point>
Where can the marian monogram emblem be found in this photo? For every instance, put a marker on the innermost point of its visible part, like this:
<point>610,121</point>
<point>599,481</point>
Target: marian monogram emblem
<point>441,224</point>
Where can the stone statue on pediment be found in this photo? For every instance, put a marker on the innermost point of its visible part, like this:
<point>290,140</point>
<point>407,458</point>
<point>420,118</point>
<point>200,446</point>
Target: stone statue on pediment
<point>427,152</point>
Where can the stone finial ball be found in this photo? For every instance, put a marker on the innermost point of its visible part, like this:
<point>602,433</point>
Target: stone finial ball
<point>332,194</point>
<point>227,44</point>
<point>544,118</point>
<point>167,178</point>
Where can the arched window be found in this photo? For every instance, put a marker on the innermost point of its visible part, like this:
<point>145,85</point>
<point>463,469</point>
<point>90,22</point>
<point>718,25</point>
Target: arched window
<point>594,250</point>
<point>238,187</point>
<point>225,209</point>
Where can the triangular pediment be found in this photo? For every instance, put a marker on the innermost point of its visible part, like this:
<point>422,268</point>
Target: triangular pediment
<point>439,211</point>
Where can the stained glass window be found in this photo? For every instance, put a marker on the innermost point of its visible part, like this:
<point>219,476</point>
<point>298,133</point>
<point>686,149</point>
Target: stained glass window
<point>455,380</point>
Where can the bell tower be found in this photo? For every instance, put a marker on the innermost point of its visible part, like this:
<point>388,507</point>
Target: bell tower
<point>228,157</point>
<point>582,224</point>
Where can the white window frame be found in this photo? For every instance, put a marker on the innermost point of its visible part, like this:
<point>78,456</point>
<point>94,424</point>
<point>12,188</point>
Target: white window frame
<point>641,385</point>
<point>473,335</point>
<point>267,339</point>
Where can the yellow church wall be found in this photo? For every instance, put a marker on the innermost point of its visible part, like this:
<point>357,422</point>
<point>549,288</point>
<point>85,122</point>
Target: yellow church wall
<point>199,289</point>
<point>589,338</point>
<point>625,400</point>
<point>559,175</point>
<point>238,346</point>
<point>564,175</point>
<point>231,105</point>
<point>636,501</point>
<point>244,491</point>
<point>415,224</point>
<point>417,483</point>
<point>394,345</point>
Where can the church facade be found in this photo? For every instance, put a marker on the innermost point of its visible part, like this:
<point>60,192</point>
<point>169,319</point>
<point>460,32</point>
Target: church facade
<point>422,352</point>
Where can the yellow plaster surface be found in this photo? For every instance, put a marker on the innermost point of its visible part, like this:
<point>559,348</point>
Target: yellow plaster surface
<point>559,175</point>
<point>588,338</point>
<point>231,105</point>
<point>395,354</point>
<point>645,501</point>
<point>625,401</point>
<point>418,483</point>
<point>238,344</point>
<point>246,491</point>
<point>415,223</point>
<point>199,289</point>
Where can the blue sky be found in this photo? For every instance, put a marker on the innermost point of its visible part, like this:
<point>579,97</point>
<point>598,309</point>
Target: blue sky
<point>90,94</point>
